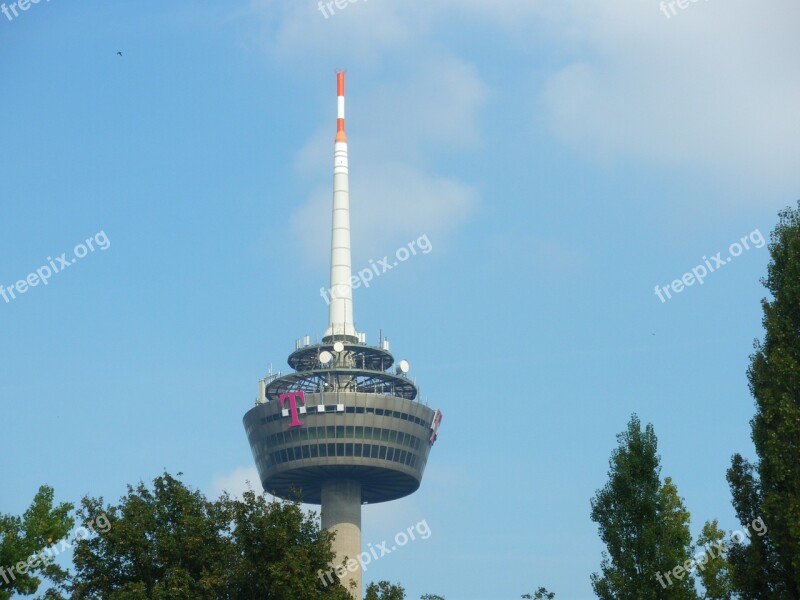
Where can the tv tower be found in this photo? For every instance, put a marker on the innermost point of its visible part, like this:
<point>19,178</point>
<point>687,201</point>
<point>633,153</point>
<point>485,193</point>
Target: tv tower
<point>341,429</point>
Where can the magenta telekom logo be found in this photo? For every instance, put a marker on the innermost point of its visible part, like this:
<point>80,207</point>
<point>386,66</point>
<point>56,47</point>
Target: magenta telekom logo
<point>293,398</point>
<point>437,421</point>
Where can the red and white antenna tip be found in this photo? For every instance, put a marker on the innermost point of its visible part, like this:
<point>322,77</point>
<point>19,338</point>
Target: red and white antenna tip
<point>340,136</point>
<point>340,83</point>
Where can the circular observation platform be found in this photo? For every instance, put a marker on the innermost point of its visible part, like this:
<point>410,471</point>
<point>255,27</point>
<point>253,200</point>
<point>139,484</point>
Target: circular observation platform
<point>381,441</point>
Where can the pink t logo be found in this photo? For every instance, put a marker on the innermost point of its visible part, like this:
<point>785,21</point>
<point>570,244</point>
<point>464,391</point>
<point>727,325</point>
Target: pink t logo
<point>437,421</point>
<point>293,396</point>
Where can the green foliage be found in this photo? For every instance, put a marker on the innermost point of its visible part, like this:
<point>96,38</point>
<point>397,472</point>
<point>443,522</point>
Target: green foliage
<point>23,538</point>
<point>714,572</point>
<point>431,597</point>
<point>769,566</point>
<point>277,537</point>
<point>674,546</point>
<point>642,523</point>
<point>540,594</point>
<point>171,543</point>
<point>752,570</point>
<point>384,590</point>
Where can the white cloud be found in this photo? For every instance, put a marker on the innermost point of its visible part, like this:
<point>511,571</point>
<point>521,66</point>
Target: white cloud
<point>392,203</point>
<point>383,520</point>
<point>434,103</point>
<point>236,482</point>
<point>430,104</point>
<point>714,90</point>
<point>714,87</point>
<point>364,31</point>
<point>242,479</point>
<point>428,108</point>
<point>393,197</point>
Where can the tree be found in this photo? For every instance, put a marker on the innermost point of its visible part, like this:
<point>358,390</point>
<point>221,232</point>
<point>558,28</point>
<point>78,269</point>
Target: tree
<point>23,541</point>
<point>769,566</point>
<point>431,597</point>
<point>674,541</point>
<point>171,543</point>
<point>384,590</point>
<point>277,536</point>
<point>643,524</point>
<point>753,573</point>
<point>540,594</point>
<point>714,571</point>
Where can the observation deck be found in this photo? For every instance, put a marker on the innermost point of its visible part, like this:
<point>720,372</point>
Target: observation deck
<point>350,418</point>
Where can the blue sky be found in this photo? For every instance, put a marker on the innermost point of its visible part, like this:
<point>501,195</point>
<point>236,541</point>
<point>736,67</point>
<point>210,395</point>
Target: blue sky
<point>563,159</point>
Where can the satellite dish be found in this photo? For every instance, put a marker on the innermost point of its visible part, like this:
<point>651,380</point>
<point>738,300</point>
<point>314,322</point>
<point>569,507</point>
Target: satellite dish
<point>325,357</point>
<point>403,367</point>
<point>338,347</point>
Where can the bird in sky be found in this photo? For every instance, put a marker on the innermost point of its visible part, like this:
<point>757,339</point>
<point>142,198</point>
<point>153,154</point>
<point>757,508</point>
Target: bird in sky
<point>119,53</point>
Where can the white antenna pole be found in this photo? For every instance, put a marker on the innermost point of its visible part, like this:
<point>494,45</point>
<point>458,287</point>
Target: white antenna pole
<point>340,312</point>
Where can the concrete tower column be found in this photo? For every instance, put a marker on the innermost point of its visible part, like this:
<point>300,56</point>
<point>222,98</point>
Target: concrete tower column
<point>341,513</point>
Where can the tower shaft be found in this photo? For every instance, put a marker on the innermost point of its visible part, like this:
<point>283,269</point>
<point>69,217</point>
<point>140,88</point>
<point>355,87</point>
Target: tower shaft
<point>341,514</point>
